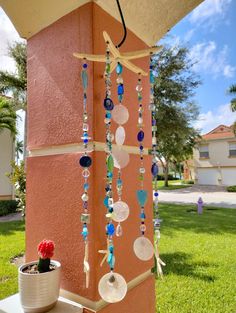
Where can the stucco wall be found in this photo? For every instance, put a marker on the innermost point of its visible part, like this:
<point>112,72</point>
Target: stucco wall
<point>218,155</point>
<point>6,152</point>
<point>219,168</point>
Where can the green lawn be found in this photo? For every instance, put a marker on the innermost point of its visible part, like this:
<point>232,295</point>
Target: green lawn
<point>12,243</point>
<point>200,253</point>
<point>173,184</point>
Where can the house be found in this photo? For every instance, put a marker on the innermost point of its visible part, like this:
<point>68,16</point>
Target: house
<point>6,155</point>
<point>214,160</point>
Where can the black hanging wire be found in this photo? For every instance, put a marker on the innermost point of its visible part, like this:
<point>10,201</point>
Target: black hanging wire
<point>124,27</point>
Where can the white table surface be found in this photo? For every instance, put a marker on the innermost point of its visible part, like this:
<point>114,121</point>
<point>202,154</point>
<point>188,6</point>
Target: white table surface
<point>12,305</point>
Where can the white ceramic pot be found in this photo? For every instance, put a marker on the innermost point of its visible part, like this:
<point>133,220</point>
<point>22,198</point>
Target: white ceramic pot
<point>39,292</point>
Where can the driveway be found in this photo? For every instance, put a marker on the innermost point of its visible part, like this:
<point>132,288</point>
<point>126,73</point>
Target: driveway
<point>212,196</point>
<point>11,217</point>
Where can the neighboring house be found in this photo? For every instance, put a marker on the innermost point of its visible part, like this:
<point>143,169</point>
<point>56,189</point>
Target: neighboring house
<point>214,161</point>
<point>6,155</point>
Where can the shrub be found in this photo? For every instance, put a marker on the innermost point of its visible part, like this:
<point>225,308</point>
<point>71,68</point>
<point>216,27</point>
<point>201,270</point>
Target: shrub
<point>231,188</point>
<point>162,177</point>
<point>18,180</point>
<point>8,206</point>
<point>188,182</point>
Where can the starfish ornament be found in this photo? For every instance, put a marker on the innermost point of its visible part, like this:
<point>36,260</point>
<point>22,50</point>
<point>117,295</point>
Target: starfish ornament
<point>118,57</point>
<point>105,252</point>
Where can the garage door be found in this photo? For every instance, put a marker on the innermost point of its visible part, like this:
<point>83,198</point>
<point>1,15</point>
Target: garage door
<point>208,176</point>
<point>229,176</point>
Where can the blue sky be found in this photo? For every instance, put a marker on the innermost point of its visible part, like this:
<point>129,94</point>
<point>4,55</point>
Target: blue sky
<point>209,32</point>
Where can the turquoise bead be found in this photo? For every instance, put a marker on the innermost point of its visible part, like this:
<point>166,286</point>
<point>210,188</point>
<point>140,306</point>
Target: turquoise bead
<point>105,202</point>
<point>119,68</point>
<point>152,78</point>
<point>86,186</point>
<point>142,197</point>
<point>84,79</point>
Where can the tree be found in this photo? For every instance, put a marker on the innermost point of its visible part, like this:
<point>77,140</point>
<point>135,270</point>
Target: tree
<point>232,90</point>
<point>7,116</point>
<point>16,84</point>
<point>174,87</point>
<point>19,149</point>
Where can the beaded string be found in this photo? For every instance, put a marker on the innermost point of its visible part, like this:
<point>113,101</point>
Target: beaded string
<point>108,201</point>
<point>154,170</point>
<point>85,162</point>
<point>141,194</point>
<point>120,116</point>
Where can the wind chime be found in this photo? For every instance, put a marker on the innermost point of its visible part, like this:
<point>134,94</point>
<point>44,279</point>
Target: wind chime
<point>112,286</point>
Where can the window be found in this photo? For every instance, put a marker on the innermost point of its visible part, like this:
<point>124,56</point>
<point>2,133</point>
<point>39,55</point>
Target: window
<point>232,149</point>
<point>204,151</point>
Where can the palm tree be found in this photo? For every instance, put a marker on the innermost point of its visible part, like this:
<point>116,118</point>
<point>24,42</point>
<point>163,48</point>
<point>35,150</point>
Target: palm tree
<point>19,149</point>
<point>7,116</point>
<point>232,90</point>
<point>16,84</point>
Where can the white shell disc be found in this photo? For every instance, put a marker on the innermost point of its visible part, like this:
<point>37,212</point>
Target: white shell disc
<point>121,157</point>
<point>120,211</point>
<point>120,135</point>
<point>120,114</point>
<point>112,287</point>
<point>143,248</point>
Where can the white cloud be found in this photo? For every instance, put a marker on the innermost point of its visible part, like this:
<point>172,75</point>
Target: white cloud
<point>210,120</point>
<point>210,13</point>
<point>211,61</point>
<point>8,35</point>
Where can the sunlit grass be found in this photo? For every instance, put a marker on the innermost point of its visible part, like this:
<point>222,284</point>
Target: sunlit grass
<point>12,243</point>
<point>200,253</point>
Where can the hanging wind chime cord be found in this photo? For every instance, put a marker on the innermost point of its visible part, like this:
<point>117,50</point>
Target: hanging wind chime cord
<point>123,23</point>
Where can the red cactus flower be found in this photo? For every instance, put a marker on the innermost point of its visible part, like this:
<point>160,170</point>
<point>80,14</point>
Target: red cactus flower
<point>46,249</point>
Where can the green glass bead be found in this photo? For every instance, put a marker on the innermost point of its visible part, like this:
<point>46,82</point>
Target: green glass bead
<point>110,163</point>
<point>108,68</point>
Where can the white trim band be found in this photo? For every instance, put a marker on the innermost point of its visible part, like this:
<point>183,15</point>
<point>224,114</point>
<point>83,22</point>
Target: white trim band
<point>79,148</point>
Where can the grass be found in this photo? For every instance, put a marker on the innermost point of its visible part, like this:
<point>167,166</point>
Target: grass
<point>199,251</point>
<point>173,184</point>
<point>200,256</point>
<point>12,243</point>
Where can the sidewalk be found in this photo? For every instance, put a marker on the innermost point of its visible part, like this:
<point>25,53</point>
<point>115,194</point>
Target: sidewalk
<point>211,195</point>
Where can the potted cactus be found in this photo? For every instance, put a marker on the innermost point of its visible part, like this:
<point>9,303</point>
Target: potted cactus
<point>39,281</point>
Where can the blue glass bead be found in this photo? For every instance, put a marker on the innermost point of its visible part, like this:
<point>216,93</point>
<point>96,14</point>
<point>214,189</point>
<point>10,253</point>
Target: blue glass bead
<point>85,161</point>
<point>84,76</point>
<point>141,147</point>
<point>142,215</point>
<point>119,68</point>
<point>85,140</point>
<point>108,104</point>
<point>120,97</point>
<point>84,233</point>
<point>85,65</point>
<point>85,134</point>
<point>154,169</point>
<point>86,186</point>
<point>119,182</point>
<point>152,78</point>
<point>110,229</point>
<point>105,202</point>
<point>111,260</point>
<point>108,115</point>
<point>142,197</point>
<point>109,174</point>
<point>140,135</point>
<point>120,89</point>
<point>156,194</point>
